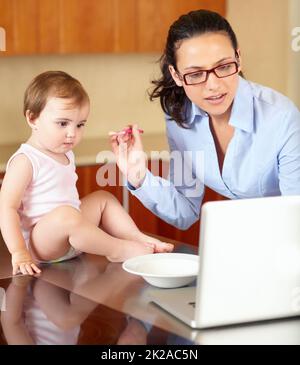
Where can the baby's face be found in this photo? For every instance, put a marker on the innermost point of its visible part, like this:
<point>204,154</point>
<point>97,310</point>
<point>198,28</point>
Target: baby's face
<point>59,127</point>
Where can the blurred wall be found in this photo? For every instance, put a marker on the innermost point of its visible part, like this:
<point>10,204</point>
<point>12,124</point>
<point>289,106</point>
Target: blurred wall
<point>117,84</point>
<point>261,29</point>
<point>264,31</point>
<point>293,79</point>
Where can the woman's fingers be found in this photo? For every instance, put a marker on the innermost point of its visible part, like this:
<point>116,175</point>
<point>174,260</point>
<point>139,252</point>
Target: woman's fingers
<point>137,137</point>
<point>122,151</point>
<point>125,137</point>
<point>114,144</point>
<point>116,140</point>
<point>131,133</point>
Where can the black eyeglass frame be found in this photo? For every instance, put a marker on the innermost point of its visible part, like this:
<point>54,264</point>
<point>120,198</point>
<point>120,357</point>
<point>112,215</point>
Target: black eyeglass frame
<point>183,77</point>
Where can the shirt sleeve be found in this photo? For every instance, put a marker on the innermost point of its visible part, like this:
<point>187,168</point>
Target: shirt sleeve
<point>289,154</point>
<point>176,200</point>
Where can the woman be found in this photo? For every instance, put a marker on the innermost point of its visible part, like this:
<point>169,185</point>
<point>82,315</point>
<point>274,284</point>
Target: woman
<point>249,134</point>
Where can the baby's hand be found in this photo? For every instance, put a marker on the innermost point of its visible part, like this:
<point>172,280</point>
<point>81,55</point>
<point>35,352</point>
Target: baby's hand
<point>23,262</point>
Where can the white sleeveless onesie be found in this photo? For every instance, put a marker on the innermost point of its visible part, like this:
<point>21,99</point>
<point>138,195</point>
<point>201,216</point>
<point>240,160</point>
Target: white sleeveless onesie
<point>53,184</point>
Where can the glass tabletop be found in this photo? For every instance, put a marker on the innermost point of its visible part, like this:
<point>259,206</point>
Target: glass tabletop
<point>34,311</point>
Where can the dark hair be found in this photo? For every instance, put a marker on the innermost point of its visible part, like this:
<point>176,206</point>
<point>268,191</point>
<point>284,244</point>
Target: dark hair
<point>172,97</point>
<point>52,83</point>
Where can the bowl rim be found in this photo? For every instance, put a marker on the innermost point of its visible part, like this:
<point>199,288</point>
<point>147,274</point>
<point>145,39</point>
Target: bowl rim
<point>190,257</point>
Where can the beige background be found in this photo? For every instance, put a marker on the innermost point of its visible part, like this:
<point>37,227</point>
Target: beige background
<point>117,84</point>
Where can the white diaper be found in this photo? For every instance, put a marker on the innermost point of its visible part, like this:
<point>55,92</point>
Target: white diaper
<point>71,254</point>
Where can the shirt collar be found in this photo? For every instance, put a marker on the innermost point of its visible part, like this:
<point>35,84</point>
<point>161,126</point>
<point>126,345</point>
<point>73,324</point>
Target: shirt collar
<point>242,108</point>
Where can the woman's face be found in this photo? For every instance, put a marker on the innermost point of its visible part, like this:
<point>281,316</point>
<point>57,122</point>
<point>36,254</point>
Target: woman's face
<point>204,52</point>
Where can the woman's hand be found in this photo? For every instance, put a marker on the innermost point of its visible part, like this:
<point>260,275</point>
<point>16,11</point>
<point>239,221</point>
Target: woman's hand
<point>23,262</point>
<point>131,158</point>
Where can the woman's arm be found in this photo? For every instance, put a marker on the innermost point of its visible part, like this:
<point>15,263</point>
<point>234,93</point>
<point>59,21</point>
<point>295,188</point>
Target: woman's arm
<point>17,177</point>
<point>176,200</point>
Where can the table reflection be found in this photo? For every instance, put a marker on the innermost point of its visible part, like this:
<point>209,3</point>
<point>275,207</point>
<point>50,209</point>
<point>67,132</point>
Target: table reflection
<point>91,301</point>
<point>38,312</point>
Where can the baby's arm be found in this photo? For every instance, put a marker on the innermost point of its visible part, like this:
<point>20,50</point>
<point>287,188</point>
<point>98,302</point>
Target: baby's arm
<point>16,180</point>
<point>12,319</point>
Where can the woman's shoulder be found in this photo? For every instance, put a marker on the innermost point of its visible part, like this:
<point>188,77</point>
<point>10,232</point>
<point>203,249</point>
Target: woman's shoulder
<point>274,108</point>
<point>269,96</point>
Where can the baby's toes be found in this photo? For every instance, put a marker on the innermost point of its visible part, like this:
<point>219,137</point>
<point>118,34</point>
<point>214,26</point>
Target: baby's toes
<point>170,247</point>
<point>164,247</point>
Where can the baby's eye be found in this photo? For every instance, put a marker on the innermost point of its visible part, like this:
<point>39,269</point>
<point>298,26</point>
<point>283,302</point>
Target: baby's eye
<point>80,125</point>
<point>62,124</point>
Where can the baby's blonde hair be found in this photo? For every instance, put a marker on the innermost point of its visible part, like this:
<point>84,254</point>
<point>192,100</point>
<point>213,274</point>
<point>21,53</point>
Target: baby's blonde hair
<point>52,84</point>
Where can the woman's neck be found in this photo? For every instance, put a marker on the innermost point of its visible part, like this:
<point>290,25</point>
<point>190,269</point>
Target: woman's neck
<point>222,119</point>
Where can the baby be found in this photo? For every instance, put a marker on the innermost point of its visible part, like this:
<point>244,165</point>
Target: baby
<point>41,216</point>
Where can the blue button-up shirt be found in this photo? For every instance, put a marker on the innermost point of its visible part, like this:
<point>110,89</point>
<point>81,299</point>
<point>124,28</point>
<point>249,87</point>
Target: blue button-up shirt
<point>262,158</point>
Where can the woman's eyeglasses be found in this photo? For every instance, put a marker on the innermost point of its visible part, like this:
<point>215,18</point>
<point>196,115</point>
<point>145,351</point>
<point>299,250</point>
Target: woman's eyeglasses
<point>198,77</point>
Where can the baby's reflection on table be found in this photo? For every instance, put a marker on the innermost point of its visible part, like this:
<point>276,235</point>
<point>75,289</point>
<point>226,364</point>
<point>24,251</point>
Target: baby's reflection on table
<point>38,312</point>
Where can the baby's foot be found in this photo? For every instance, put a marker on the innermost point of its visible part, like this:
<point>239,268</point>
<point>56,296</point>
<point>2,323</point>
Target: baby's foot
<point>128,249</point>
<point>159,246</point>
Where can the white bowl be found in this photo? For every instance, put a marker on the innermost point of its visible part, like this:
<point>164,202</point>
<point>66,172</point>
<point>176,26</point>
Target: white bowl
<point>164,270</point>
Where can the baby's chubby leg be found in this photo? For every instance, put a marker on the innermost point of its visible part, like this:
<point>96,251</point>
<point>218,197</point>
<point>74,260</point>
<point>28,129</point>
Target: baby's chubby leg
<point>52,236</point>
<point>102,208</point>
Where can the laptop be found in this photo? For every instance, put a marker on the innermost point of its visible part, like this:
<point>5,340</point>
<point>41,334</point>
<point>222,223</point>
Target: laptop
<point>249,252</point>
